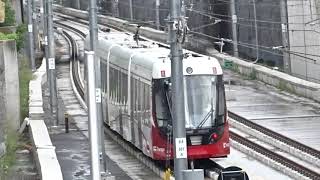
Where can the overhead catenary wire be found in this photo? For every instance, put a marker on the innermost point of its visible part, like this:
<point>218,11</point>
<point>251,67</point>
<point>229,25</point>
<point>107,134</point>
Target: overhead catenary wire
<point>266,49</point>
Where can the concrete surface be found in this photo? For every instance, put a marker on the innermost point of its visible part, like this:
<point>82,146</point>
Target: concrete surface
<point>11,93</point>
<point>9,90</point>
<point>43,150</point>
<point>287,114</point>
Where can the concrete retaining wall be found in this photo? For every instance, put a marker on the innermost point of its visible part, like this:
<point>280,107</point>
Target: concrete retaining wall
<point>273,77</point>
<point>43,150</point>
<point>9,90</point>
<point>264,74</point>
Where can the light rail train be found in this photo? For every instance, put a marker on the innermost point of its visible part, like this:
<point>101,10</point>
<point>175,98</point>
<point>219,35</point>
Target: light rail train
<point>136,97</point>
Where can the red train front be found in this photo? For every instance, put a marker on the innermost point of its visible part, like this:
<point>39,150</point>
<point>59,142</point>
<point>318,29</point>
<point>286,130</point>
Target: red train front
<point>207,129</point>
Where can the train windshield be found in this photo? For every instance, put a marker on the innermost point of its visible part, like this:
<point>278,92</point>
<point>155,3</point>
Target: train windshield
<point>200,101</point>
<point>200,96</point>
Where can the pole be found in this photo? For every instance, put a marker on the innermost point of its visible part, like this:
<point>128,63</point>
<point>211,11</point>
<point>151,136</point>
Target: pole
<point>35,24</point>
<point>256,30</point>
<point>45,43</point>
<point>78,6</point>
<point>304,37</point>
<point>17,5</point>
<point>285,36</point>
<point>93,121</point>
<point>41,29</point>
<point>30,36</point>
<point>51,64</point>
<point>179,131</point>
<point>157,14</point>
<point>93,40</point>
<point>234,28</point>
<point>131,10</point>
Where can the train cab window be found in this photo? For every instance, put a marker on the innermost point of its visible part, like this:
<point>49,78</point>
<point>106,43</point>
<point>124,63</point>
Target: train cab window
<point>161,110</point>
<point>200,101</point>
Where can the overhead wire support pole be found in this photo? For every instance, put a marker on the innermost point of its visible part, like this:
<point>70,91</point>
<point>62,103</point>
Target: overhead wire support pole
<point>157,14</point>
<point>131,10</point>
<point>175,24</point>
<point>93,122</point>
<point>30,36</point>
<point>285,36</point>
<point>93,40</point>
<point>41,29</point>
<point>256,30</point>
<point>45,43</point>
<point>234,28</point>
<point>35,25</point>
<point>52,64</point>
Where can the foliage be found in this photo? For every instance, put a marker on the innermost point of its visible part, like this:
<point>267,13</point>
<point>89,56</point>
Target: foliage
<point>9,158</point>
<point>20,33</point>
<point>25,75</point>
<point>284,86</point>
<point>12,36</point>
<point>10,19</point>
<point>253,74</point>
<point>19,36</point>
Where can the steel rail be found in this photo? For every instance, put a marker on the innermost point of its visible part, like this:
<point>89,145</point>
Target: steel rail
<point>275,135</point>
<point>74,58</point>
<point>276,157</point>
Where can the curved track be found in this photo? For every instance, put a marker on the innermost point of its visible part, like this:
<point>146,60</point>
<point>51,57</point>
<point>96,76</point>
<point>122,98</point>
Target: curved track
<point>74,57</point>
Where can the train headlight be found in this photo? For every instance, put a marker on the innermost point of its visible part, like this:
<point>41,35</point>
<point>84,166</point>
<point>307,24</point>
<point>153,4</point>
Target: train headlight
<point>189,70</point>
<point>213,138</point>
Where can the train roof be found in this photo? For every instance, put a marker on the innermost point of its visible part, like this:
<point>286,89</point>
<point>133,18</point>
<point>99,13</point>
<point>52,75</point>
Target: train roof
<point>152,56</point>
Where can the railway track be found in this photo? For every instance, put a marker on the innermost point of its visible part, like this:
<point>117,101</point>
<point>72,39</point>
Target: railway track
<point>292,163</point>
<point>75,63</point>
<point>274,156</point>
<point>275,135</point>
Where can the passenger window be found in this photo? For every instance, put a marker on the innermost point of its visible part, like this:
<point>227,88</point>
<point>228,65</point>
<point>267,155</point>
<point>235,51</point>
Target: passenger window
<point>142,96</point>
<point>124,88</point>
<point>147,96</point>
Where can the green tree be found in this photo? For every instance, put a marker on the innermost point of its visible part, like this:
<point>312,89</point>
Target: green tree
<point>10,19</point>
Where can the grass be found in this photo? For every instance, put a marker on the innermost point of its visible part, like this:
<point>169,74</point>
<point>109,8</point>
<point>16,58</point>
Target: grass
<point>25,75</point>
<point>284,86</point>
<point>9,158</point>
<point>12,144</point>
<point>253,75</point>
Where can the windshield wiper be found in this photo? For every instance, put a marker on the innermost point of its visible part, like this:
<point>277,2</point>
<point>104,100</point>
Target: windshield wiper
<point>206,118</point>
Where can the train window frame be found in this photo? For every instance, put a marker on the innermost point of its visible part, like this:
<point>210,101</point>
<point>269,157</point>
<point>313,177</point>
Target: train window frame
<point>155,109</point>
